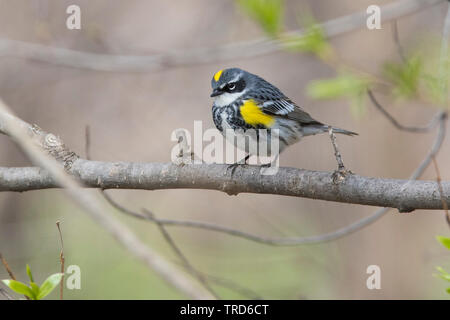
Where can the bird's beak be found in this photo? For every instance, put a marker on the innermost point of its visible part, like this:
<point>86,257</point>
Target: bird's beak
<point>216,93</point>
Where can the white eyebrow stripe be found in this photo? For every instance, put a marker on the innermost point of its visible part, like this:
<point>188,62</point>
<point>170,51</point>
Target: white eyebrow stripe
<point>235,79</point>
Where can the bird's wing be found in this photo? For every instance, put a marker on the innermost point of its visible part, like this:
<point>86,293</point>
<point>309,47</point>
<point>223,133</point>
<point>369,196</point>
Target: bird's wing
<point>284,107</point>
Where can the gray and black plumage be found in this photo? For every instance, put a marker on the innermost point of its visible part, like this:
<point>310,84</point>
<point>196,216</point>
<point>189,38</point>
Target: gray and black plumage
<point>244,101</point>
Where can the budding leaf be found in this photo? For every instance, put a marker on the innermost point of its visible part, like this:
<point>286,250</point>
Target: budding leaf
<point>49,284</point>
<point>405,77</point>
<point>20,288</point>
<point>30,275</point>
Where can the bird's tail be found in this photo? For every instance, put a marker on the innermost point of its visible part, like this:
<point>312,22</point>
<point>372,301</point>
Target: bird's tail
<point>342,131</point>
<point>321,128</point>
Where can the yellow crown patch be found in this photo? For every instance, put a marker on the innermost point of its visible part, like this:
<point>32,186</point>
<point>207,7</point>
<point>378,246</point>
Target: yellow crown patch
<point>217,75</point>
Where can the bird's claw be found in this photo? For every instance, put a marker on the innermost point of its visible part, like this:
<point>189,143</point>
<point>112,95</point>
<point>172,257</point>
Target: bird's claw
<point>234,166</point>
<point>340,175</point>
<point>184,159</point>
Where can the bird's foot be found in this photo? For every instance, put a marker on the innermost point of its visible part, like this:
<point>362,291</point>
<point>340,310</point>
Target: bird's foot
<point>186,158</point>
<point>234,166</point>
<point>340,175</point>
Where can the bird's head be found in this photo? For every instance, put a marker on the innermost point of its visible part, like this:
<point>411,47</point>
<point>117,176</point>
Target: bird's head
<point>228,85</point>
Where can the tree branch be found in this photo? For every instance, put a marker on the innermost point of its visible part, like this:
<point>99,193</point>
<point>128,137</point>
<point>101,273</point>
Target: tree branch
<point>405,195</point>
<point>122,63</point>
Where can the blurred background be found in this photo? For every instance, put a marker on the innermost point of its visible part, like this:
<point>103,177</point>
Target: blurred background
<point>132,115</point>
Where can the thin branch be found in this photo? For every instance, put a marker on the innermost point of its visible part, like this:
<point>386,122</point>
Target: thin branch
<point>247,49</point>
<point>32,139</point>
<point>61,260</point>
<point>398,125</point>
<point>7,268</point>
<point>337,154</point>
<point>396,38</point>
<point>87,145</point>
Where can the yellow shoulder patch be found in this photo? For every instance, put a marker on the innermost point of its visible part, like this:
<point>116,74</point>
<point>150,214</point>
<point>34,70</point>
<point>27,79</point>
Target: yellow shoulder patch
<point>254,116</point>
<point>217,75</point>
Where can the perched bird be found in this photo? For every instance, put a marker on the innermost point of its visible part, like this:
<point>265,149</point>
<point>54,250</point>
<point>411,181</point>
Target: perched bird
<point>244,101</point>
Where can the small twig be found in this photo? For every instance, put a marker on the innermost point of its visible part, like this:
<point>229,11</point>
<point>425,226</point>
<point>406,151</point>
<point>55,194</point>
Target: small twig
<point>87,146</point>
<point>441,191</point>
<point>398,125</point>
<point>252,237</point>
<point>337,154</point>
<point>62,260</point>
<point>395,36</point>
<point>339,175</point>
<point>8,269</point>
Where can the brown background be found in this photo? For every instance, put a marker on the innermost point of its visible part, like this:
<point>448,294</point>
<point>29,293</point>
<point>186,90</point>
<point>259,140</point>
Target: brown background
<point>132,115</point>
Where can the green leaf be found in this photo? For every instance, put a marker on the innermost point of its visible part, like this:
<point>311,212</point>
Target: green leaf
<point>405,77</point>
<point>19,287</point>
<point>448,290</point>
<point>34,288</point>
<point>49,284</point>
<point>30,275</point>
<point>444,240</point>
<point>268,13</point>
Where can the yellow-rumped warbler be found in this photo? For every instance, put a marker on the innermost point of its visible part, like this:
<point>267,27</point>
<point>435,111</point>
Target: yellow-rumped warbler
<point>244,101</point>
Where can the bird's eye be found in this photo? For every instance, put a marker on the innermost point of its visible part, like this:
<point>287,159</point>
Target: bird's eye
<point>231,86</point>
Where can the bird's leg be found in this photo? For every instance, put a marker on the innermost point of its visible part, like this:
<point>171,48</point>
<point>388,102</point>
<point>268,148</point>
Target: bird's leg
<point>339,174</point>
<point>237,164</point>
<point>271,167</point>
